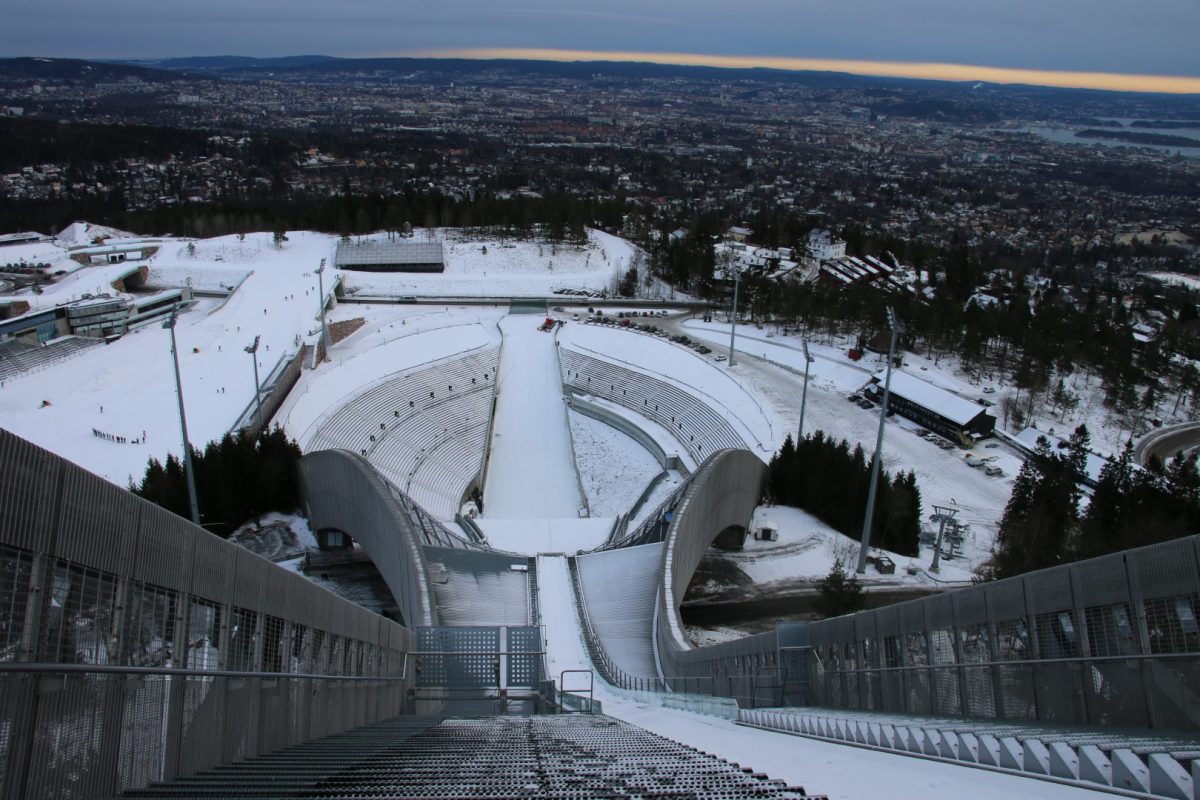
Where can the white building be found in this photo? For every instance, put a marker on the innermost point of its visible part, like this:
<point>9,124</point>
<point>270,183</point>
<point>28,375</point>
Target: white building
<point>824,246</point>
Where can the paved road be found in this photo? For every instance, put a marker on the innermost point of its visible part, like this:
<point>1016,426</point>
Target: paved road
<point>1166,442</point>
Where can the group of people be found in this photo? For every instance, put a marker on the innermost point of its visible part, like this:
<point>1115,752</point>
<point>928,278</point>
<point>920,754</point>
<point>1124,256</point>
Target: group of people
<point>112,437</point>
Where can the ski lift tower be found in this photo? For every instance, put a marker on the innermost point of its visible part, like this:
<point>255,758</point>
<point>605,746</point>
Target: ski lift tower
<point>943,516</point>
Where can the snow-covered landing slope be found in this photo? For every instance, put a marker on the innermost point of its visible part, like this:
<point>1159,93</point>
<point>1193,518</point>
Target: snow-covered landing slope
<point>531,471</point>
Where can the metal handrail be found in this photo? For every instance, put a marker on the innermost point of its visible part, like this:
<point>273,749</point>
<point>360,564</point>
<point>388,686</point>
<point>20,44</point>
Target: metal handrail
<point>591,689</point>
<point>1017,663</point>
<point>54,668</point>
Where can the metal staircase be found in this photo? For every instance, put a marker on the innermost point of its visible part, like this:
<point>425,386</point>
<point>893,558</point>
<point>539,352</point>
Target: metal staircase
<point>568,756</point>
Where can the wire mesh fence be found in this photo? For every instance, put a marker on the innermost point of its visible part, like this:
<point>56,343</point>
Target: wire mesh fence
<point>136,647</point>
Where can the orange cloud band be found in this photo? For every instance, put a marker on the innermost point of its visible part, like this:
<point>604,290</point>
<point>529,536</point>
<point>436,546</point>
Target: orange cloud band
<point>1110,81</point>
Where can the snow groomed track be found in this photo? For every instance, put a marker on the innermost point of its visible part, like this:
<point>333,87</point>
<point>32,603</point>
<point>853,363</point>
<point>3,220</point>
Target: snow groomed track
<point>531,468</point>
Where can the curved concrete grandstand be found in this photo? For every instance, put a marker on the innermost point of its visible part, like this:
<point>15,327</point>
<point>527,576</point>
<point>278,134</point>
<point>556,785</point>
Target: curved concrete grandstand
<point>424,429</point>
<point>698,427</point>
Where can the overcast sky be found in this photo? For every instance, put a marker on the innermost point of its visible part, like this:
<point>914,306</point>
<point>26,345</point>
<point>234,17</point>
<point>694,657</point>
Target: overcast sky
<point>1156,37</point>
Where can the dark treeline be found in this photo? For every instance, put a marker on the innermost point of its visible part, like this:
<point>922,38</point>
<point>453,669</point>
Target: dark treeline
<point>237,479</point>
<point>1036,338</point>
<point>558,218</point>
<point>829,481</point>
<point>1130,507</point>
<point>36,141</point>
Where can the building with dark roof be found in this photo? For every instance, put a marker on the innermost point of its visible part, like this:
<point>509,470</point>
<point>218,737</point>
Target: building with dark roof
<point>390,256</point>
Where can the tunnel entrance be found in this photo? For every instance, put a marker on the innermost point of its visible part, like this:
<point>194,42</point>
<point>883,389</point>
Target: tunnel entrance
<point>732,538</point>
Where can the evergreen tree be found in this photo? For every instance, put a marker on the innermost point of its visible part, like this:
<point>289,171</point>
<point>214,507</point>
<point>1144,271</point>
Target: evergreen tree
<point>840,592</point>
<point>629,283</point>
<point>826,479</point>
<point>238,478</point>
<point>1041,517</point>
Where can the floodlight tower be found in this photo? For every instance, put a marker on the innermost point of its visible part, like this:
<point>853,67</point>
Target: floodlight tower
<point>253,351</point>
<point>321,299</point>
<point>737,274</point>
<point>189,473</point>
<point>896,327</point>
<point>808,359</point>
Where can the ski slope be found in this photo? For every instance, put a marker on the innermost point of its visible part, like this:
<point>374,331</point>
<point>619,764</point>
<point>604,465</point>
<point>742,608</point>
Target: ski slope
<point>531,471</point>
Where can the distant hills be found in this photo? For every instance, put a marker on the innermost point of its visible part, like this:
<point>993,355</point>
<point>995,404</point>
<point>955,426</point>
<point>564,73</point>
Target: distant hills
<point>235,67</point>
<point>232,65</point>
<point>73,69</point>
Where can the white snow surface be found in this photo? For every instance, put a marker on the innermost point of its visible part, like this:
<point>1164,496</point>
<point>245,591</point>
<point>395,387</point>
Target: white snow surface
<point>807,547</point>
<point>776,375</point>
<point>614,468</point>
<point>533,536</point>
<point>81,234</point>
<point>1176,279</point>
<point>661,436</point>
<point>531,469</point>
<point>504,268</point>
<point>936,399</point>
<point>132,380</point>
<point>128,388</point>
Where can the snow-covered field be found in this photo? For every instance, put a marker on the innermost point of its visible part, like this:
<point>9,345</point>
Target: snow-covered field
<point>807,546</point>
<point>127,388</point>
<point>614,468</point>
<point>776,374</point>
<point>505,268</point>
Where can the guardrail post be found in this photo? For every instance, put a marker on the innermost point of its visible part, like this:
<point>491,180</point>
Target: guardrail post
<point>112,703</point>
<point>24,694</point>
<point>176,691</point>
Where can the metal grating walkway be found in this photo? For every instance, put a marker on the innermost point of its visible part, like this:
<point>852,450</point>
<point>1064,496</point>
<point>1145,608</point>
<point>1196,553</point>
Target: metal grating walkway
<point>567,756</point>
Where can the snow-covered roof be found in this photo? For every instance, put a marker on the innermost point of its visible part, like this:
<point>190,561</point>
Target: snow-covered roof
<point>85,233</point>
<point>21,238</point>
<point>941,402</point>
<point>402,252</point>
